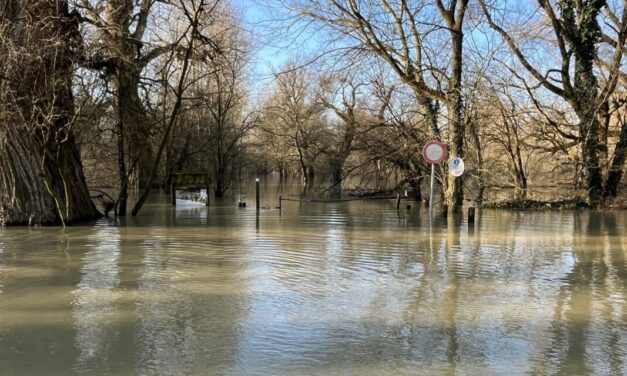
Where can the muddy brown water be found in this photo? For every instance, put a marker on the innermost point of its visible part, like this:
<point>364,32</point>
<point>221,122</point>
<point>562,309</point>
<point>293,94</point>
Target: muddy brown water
<point>319,289</point>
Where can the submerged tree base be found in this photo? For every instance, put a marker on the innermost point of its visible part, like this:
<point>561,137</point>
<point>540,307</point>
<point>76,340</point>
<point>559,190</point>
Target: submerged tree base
<point>574,203</point>
<point>619,202</point>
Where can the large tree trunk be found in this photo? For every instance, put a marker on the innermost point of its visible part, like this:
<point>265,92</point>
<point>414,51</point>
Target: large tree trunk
<point>41,184</point>
<point>222,180</point>
<point>615,173</point>
<point>134,152</point>
<point>455,108</point>
<point>590,149</point>
<point>337,166</point>
<point>41,176</point>
<point>455,186</point>
<point>416,189</point>
<point>586,103</point>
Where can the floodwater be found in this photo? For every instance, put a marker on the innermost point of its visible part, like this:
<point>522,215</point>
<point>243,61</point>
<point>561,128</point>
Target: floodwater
<point>318,289</point>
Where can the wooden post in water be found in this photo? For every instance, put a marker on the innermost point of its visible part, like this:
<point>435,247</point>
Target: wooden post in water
<point>173,193</point>
<point>280,203</point>
<point>398,201</point>
<point>207,203</point>
<point>257,194</point>
<point>471,216</point>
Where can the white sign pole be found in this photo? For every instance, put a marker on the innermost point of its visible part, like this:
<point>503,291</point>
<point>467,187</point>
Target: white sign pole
<point>431,191</point>
<point>433,152</point>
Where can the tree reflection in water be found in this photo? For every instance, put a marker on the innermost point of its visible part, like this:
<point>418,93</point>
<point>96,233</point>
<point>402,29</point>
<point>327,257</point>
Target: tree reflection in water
<point>338,288</point>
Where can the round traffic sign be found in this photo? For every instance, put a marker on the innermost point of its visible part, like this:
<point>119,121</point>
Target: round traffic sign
<point>456,166</point>
<point>434,152</point>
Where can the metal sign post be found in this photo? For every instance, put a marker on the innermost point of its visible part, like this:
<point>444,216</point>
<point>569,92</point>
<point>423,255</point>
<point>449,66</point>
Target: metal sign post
<point>433,152</point>
<point>431,190</point>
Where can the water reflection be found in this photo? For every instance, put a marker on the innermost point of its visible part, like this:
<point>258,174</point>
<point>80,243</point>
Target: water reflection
<point>1,265</point>
<point>2,277</point>
<point>189,215</point>
<point>36,335</point>
<point>588,325</point>
<point>165,331</point>
<point>351,289</point>
<point>189,302</point>
<point>94,301</point>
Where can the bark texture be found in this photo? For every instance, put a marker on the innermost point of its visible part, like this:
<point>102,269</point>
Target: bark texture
<point>41,176</point>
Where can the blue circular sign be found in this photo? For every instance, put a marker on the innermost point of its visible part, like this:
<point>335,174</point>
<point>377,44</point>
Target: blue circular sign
<point>456,166</point>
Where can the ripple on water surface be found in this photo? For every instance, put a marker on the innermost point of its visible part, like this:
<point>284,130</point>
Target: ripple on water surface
<point>355,288</point>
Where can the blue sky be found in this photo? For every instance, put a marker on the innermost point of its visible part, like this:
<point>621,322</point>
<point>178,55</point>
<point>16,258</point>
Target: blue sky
<point>266,56</point>
<point>273,44</point>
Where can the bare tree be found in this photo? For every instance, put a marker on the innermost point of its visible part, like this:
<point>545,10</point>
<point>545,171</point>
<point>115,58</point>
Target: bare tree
<point>509,122</point>
<point>292,113</point>
<point>577,34</point>
<point>342,98</point>
<point>408,36</point>
<point>121,40</point>
<point>194,12</point>
<point>616,109</point>
<point>222,99</point>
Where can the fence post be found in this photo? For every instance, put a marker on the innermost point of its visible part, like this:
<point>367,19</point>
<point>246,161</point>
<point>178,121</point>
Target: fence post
<point>471,215</point>
<point>257,193</point>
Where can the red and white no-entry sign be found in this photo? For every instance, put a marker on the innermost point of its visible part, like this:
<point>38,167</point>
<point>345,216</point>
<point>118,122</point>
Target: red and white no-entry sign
<point>434,152</point>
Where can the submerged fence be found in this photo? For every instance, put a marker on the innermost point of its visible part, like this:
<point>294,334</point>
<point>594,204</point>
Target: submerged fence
<point>398,198</point>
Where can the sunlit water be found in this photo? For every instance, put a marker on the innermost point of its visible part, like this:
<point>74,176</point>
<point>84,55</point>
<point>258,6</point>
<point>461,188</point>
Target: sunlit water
<point>318,289</point>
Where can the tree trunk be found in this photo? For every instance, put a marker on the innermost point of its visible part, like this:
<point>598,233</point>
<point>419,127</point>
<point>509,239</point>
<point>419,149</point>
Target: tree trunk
<point>41,184</point>
<point>589,129</point>
<point>455,108</point>
<point>219,189</point>
<point>455,187</point>
<point>311,174</point>
<point>221,177</point>
<point>583,32</point>
<point>123,195</point>
<point>585,103</point>
<point>41,176</point>
<point>474,133</point>
<point>520,192</point>
<point>415,187</point>
<point>134,151</point>
<point>337,165</point>
<point>615,173</point>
